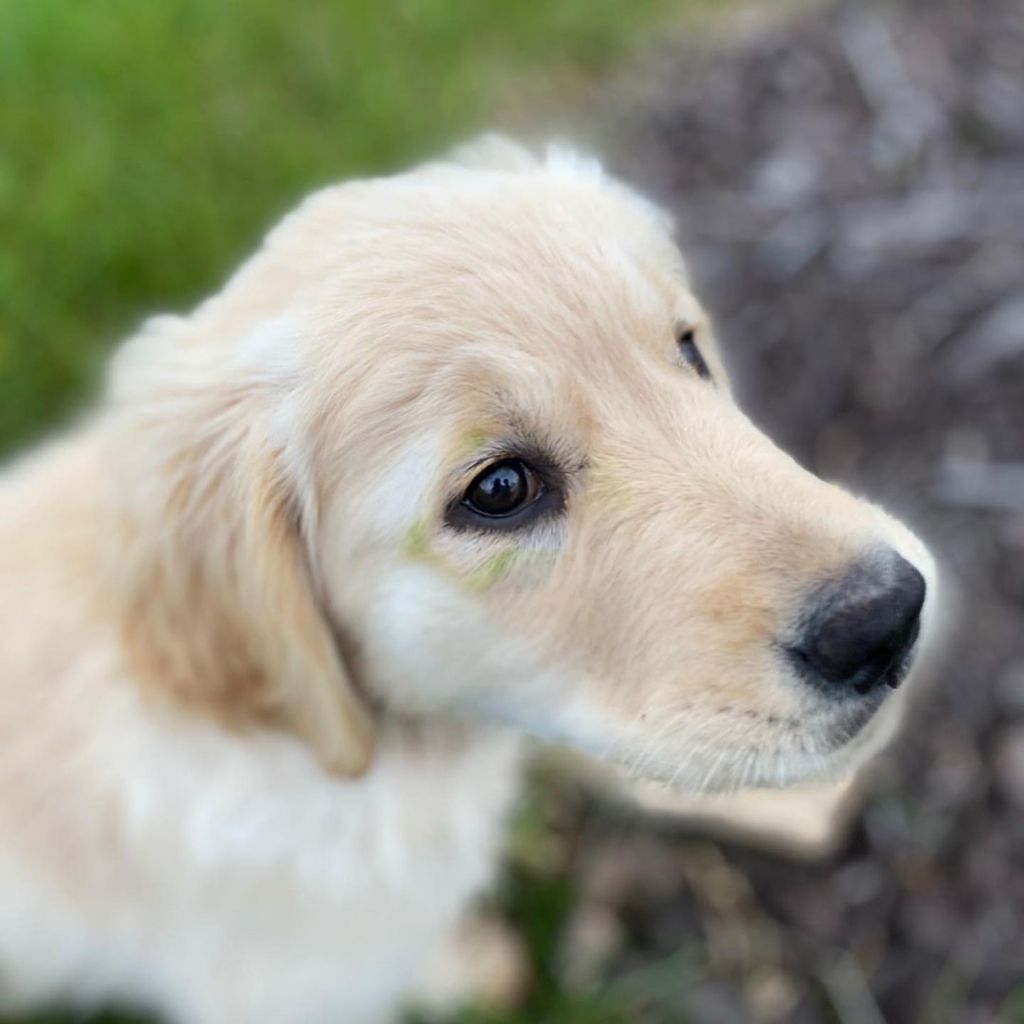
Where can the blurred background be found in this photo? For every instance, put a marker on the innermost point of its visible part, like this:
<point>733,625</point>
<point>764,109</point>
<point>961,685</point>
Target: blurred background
<point>849,184</point>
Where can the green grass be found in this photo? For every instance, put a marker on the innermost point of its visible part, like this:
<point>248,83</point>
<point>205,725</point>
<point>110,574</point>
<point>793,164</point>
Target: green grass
<point>145,146</point>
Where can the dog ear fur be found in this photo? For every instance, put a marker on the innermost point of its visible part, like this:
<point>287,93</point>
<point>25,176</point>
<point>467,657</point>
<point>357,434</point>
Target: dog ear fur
<point>220,606</point>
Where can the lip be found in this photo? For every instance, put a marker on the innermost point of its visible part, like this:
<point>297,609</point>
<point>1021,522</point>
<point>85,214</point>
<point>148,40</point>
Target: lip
<point>845,726</point>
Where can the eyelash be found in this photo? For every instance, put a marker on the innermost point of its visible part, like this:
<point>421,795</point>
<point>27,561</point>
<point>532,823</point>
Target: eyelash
<point>686,341</point>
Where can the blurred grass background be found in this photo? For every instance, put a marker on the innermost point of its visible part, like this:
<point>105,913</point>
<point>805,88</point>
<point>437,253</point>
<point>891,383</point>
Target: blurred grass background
<point>145,147</point>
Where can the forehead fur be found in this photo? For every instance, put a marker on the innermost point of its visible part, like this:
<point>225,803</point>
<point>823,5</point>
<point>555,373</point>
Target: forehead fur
<point>553,243</point>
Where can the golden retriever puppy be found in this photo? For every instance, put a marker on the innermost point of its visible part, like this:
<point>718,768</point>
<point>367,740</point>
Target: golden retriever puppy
<point>450,461</point>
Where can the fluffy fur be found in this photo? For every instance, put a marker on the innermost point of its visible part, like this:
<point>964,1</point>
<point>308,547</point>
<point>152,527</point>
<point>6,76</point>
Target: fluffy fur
<point>259,701</point>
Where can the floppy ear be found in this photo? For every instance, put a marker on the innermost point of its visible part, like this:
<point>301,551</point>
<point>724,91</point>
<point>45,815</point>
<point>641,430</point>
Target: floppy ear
<point>221,608</point>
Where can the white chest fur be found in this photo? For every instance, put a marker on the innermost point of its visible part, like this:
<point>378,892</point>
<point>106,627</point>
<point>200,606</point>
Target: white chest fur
<point>231,880</point>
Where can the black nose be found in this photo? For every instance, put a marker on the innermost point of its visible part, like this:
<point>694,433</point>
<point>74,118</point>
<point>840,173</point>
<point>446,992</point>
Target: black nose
<point>859,630</point>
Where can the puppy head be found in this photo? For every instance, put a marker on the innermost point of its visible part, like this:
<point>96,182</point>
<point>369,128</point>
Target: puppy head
<point>505,469</point>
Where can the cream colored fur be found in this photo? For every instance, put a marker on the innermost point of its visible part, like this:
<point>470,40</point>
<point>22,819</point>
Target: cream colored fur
<point>259,704</point>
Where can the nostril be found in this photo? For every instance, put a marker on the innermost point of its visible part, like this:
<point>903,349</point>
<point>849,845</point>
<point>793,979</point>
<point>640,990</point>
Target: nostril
<point>859,630</point>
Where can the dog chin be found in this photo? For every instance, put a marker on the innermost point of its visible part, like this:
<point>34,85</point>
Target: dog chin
<point>827,751</point>
<point>837,750</point>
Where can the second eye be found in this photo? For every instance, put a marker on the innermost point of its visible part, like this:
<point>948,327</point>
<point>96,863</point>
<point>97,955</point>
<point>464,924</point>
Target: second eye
<point>687,342</point>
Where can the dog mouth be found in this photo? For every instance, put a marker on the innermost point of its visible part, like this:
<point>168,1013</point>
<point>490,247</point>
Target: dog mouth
<point>825,734</point>
<point>845,727</point>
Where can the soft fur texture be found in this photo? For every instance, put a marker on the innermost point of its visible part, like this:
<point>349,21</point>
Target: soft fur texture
<point>259,701</point>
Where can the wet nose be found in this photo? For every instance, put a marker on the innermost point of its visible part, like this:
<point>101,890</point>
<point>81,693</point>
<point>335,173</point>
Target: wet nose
<point>859,630</point>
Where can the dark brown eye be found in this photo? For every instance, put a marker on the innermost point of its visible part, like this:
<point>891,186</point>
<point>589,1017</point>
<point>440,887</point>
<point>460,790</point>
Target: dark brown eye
<point>509,494</point>
<point>502,489</point>
<point>687,342</point>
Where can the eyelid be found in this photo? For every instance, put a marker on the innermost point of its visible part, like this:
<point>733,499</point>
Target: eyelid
<point>494,454</point>
<point>553,467</point>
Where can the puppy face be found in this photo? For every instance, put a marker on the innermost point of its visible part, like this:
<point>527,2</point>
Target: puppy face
<point>527,493</point>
